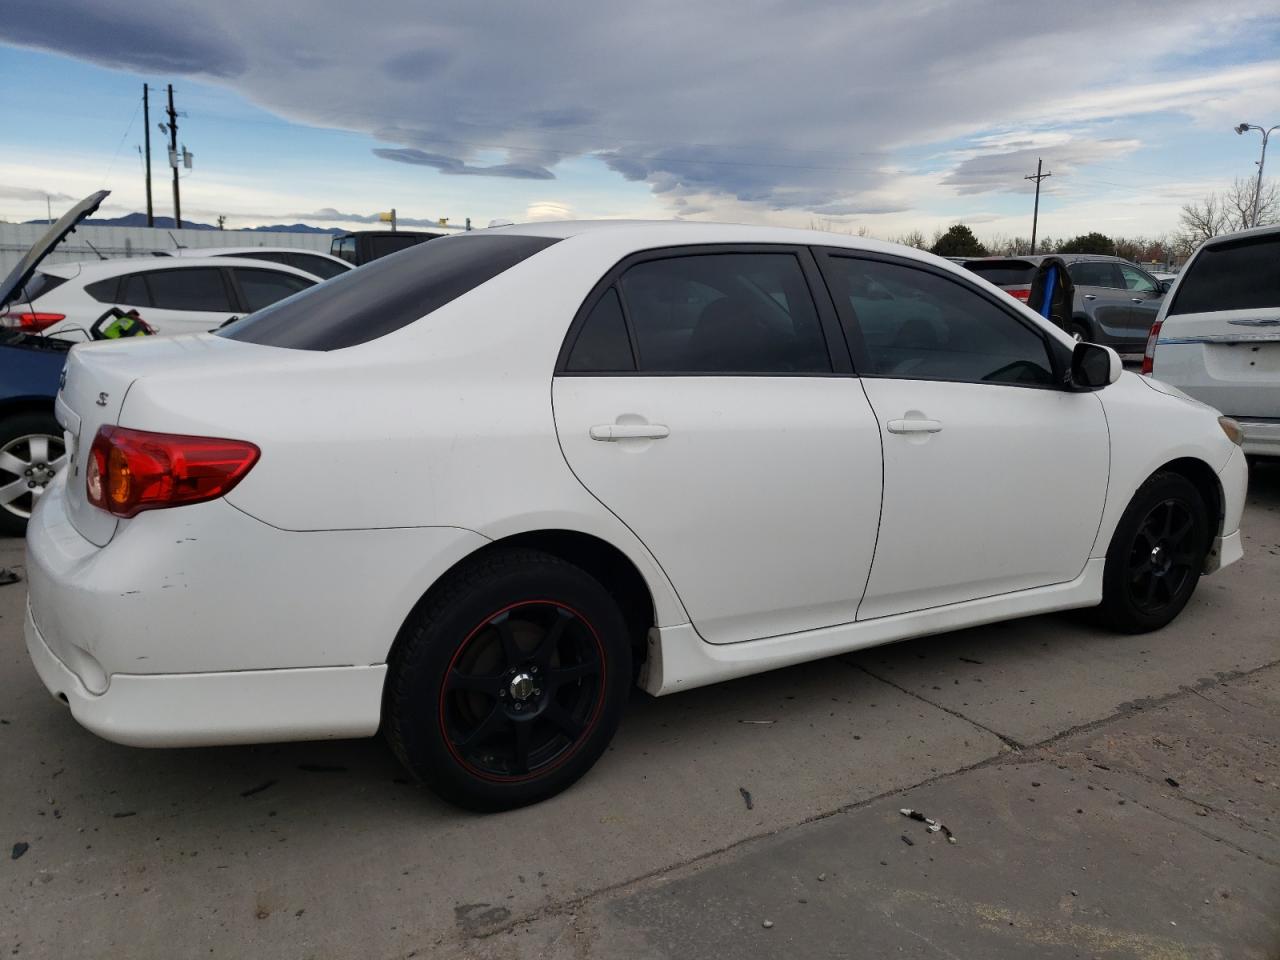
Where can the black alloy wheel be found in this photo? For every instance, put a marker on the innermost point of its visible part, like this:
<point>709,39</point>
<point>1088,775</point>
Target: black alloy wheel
<point>523,691</point>
<point>507,680</point>
<point>1156,556</point>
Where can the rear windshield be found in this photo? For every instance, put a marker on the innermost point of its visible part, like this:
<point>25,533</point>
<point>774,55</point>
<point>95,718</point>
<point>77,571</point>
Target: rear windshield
<point>1239,275</point>
<point>390,293</point>
<point>37,286</point>
<point>1005,274</point>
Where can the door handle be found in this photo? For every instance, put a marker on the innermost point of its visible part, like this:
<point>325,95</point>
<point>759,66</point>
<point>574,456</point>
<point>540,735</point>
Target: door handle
<point>1091,296</point>
<point>1135,300</point>
<point>610,432</point>
<point>914,426</point>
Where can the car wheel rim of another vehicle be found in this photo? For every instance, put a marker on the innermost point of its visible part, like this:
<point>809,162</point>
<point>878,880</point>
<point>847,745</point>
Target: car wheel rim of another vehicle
<point>27,464</point>
<point>1162,555</point>
<point>523,691</point>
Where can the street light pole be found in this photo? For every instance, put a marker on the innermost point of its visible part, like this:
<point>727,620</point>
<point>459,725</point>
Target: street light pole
<point>1242,129</point>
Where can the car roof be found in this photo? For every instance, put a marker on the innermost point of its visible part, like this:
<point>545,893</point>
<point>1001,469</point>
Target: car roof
<point>100,269</point>
<point>191,252</point>
<point>1242,234</point>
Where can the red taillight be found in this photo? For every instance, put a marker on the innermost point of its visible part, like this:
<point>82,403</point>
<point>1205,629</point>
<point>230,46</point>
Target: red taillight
<point>32,322</point>
<point>1149,355</point>
<point>134,470</point>
<point>1019,293</point>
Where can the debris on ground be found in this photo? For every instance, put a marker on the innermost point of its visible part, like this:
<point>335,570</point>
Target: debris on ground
<point>934,826</point>
<point>970,660</point>
<point>8,576</point>
<point>258,789</point>
<point>124,813</point>
<point>821,877</point>
<point>767,924</point>
<point>746,797</point>
<point>18,850</point>
<point>908,841</point>
<point>1172,782</point>
<point>763,723</point>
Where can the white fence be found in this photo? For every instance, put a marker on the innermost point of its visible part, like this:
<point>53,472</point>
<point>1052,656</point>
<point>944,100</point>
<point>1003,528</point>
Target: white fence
<point>17,238</point>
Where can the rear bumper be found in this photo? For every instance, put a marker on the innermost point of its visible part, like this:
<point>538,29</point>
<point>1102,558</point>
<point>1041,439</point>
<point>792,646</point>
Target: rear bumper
<point>205,709</point>
<point>1261,437</point>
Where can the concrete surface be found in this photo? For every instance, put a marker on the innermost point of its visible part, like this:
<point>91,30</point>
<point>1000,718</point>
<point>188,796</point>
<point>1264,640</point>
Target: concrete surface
<point>321,850</point>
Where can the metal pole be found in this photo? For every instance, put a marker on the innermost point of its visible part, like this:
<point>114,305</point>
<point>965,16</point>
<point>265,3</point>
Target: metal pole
<point>1257,187</point>
<point>146,127</point>
<point>173,153</point>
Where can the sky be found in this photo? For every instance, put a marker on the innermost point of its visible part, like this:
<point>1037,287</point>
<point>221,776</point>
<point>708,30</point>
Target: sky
<point>886,117</point>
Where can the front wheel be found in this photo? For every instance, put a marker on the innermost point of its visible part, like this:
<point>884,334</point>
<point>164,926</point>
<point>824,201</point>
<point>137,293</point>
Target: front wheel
<point>1156,555</point>
<point>508,681</point>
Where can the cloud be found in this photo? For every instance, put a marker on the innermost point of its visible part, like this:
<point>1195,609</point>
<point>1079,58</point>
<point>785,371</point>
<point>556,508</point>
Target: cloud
<point>1007,170</point>
<point>330,215</point>
<point>548,210</point>
<point>820,107</point>
<point>456,167</point>
<point>26,193</point>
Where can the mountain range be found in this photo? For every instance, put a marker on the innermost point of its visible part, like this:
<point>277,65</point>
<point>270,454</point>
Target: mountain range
<point>166,223</point>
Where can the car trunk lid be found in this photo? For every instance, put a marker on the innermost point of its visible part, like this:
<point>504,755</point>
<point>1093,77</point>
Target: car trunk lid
<point>1240,352</point>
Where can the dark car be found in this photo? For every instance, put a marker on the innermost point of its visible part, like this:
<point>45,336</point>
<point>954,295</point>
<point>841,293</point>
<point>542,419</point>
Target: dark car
<point>31,443</point>
<point>361,246</point>
<point>1115,301</point>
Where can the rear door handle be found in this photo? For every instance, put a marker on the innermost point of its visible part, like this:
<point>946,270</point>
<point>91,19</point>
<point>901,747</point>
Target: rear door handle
<point>914,426</point>
<point>1091,296</point>
<point>629,431</point>
<point>1135,300</point>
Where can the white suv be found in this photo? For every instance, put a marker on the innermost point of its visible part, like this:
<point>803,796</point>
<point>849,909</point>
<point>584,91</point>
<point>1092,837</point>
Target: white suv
<point>1218,334</point>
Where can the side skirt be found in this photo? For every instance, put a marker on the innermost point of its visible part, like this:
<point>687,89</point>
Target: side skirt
<point>681,660</point>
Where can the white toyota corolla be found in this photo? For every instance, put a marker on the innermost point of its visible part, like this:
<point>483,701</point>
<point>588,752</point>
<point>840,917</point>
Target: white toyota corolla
<point>471,493</point>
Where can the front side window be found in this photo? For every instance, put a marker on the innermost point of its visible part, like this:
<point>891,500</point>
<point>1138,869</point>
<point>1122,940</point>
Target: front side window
<point>196,288</point>
<point>261,288</point>
<point>917,325</point>
<point>1237,275</point>
<point>1137,281</point>
<point>1095,273</point>
<point>724,313</point>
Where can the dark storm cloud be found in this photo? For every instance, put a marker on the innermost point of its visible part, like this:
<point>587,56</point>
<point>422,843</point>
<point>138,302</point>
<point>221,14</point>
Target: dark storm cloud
<point>149,37</point>
<point>779,105</point>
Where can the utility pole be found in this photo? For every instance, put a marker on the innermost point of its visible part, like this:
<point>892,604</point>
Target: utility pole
<point>146,136</point>
<point>1035,217</point>
<point>173,160</point>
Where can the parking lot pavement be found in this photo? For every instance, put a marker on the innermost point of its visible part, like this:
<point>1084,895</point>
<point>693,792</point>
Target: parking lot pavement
<point>321,850</point>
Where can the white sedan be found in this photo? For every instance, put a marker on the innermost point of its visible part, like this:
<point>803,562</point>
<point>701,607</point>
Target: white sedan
<point>603,454</point>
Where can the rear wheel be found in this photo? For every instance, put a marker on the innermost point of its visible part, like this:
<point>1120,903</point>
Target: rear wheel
<point>31,453</point>
<point>508,681</point>
<point>1156,555</point>
<point>1079,330</point>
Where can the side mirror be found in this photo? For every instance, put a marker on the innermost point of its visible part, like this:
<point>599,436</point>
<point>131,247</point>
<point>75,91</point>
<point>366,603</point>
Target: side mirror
<point>1094,366</point>
<point>1165,285</point>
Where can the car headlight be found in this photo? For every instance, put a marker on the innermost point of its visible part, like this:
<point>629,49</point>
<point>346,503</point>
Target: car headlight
<point>1232,429</point>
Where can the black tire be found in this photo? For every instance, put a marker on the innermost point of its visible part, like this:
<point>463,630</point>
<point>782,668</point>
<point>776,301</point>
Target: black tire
<point>1156,555</point>
<point>13,514</point>
<point>1080,330</point>
<point>517,647</point>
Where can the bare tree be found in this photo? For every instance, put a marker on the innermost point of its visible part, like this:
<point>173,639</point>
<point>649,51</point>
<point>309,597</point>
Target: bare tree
<point>913,238</point>
<point>1201,221</point>
<point>1237,203</point>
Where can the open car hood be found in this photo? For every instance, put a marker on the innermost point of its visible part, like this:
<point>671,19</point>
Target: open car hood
<point>21,273</point>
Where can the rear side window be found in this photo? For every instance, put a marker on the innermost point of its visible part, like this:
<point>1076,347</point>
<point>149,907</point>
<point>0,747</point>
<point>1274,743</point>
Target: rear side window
<point>1096,273</point>
<point>724,313</point>
<point>321,267</point>
<point>602,345</point>
<point>196,288</point>
<point>262,288</point>
<point>1238,275</point>
<point>133,291</point>
<point>104,291</point>
<point>383,296</point>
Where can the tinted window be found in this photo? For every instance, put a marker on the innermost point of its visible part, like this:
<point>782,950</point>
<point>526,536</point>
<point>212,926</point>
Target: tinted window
<point>382,246</point>
<point>104,291</point>
<point>1240,275</point>
<point>37,286</point>
<point>269,256</point>
<point>1137,281</point>
<point>920,326</point>
<point>262,288</point>
<point>602,345</point>
<point>1096,273</point>
<point>195,288</point>
<point>1006,274</point>
<point>724,313</point>
<point>383,296</point>
<point>133,291</point>
<point>319,266</point>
